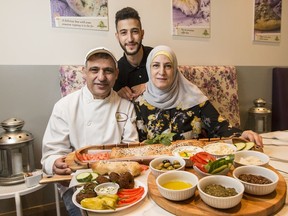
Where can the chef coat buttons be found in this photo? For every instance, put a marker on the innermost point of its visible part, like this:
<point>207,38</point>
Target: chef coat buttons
<point>89,123</point>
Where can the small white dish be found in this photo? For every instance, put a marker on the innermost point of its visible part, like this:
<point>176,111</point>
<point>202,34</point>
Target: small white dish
<point>257,189</point>
<point>249,157</point>
<point>33,179</point>
<point>221,202</point>
<point>180,194</point>
<point>220,149</point>
<point>186,152</point>
<point>106,188</point>
<point>155,162</point>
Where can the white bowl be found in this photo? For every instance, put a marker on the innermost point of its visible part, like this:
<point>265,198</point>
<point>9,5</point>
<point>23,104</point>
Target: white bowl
<point>257,189</point>
<point>33,178</point>
<point>246,157</point>
<point>221,202</point>
<point>189,151</point>
<point>107,188</point>
<point>155,162</point>
<point>182,176</point>
<point>220,149</point>
<point>203,174</point>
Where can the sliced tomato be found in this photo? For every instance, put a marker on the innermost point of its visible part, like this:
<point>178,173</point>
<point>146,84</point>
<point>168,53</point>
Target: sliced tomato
<point>144,167</point>
<point>200,167</point>
<point>130,200</point>
<point>124,194</point>
<point>206,156</point>
<point>84,157</point>
<point>132,190</point>
<point>202,158</point>
<point>79,156</point>
<point>196,158</point>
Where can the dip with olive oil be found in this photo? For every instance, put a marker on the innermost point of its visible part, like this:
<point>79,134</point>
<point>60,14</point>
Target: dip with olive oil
<point>176,185</point>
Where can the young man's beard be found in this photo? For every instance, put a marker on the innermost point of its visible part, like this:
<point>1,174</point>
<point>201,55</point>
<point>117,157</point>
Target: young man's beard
<point>139,45</point>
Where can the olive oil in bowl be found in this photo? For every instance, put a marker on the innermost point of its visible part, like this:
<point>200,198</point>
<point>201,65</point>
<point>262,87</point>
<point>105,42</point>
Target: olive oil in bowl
<point>176,185</point>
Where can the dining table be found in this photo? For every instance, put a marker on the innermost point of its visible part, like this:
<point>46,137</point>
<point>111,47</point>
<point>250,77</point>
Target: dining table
<point>275,146</point>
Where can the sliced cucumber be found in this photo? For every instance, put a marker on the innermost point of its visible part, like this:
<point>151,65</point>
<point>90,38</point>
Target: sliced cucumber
<point>84,177</point>
<point>249,145</point>
<point>219,169</point>
<point>240,146</point>
<point>94,176</point>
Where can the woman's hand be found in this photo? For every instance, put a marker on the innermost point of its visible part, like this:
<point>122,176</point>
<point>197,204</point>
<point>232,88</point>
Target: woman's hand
<point>60,167</point>
<point>253,137</point>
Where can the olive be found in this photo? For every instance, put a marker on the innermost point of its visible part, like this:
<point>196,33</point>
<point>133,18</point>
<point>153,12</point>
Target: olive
<point>176,166</point>
<point>170,168</point>
<point>176,162</point>
<point>165,161</point>
<point>158,167</point>
<point>167,164</point>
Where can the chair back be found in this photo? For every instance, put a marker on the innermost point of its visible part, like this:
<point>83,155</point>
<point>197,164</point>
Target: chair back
<point>218,83</point>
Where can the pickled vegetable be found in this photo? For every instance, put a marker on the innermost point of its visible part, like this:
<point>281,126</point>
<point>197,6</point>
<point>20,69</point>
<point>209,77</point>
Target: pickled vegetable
<point>100,202</point>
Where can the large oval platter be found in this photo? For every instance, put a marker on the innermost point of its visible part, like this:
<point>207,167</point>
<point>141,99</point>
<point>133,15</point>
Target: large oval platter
<point>137,184</point>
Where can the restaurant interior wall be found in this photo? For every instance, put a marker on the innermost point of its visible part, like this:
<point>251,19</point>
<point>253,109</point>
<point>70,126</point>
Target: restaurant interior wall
<point>31,52</point>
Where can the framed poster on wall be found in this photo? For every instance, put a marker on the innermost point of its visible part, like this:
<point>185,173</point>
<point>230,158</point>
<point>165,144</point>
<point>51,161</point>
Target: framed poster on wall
<point>267,20</point>
<point>80,14</point>
<point>191,18</point>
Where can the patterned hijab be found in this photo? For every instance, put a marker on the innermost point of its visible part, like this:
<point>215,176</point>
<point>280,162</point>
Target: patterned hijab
<point>182,93</point>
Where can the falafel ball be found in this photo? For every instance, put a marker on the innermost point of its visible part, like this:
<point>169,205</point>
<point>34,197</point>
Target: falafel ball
<point>102,179</point>
<point>114,177</point>
<point>86,192</point>
<point>126,180</point>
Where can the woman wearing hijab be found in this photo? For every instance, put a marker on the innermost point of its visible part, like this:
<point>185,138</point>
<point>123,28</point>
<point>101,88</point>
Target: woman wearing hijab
<point>172,104</point>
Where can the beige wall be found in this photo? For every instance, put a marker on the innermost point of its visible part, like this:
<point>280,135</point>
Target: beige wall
<point>27,37</point>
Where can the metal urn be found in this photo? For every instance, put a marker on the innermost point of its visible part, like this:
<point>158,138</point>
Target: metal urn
<point>16,152</point>
<point>259,117</point>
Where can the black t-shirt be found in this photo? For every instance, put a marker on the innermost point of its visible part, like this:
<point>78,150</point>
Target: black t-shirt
<point>129,75</point>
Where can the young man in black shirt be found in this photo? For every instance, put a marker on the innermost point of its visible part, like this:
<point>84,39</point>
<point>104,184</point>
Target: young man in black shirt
<point>132,65</point>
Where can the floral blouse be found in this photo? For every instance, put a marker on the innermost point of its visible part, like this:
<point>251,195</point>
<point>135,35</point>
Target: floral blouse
<point>200,121</point>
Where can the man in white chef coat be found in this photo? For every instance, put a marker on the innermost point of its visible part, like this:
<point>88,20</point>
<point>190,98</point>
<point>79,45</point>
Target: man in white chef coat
<point>93,115</point>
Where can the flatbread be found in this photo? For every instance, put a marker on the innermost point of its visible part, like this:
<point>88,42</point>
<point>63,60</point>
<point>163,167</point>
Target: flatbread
<point>103,167</point>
